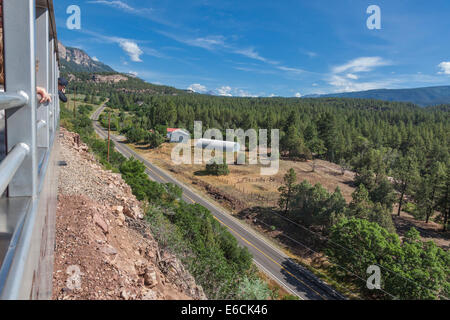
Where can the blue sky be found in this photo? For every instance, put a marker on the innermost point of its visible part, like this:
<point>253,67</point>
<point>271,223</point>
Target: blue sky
<point>264,48</point>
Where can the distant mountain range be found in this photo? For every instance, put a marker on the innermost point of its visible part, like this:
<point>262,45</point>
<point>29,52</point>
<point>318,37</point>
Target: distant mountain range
<point>428,96</point>
<point>76,60</point>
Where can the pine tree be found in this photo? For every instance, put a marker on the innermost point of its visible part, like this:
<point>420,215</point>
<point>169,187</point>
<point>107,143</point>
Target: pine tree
<point>406,174</point>
<point>287,190</point>
<point>444,201</point>
<point>428,193</point>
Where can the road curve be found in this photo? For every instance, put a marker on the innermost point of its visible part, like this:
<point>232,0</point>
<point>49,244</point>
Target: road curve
<point>271,260</point>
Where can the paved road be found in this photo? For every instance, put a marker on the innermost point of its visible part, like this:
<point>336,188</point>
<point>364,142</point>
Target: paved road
<point>270,259</point>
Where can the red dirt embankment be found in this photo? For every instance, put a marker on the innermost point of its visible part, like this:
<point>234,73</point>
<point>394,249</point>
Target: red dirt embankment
<point>103,249</point>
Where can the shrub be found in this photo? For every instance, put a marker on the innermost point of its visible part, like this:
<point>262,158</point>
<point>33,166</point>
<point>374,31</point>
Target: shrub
<point>410,207</point>
<point>217,169</point>
<point>133,172</point>
<point>421,268</point>
<point>253,289</point>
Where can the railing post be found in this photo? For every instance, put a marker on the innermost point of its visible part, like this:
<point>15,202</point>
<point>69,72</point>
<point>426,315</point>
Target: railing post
<point>57,117</point>
<point>52,83</point>
<point>51,91</point>
<point>42,78</point>
<point>20,67</point>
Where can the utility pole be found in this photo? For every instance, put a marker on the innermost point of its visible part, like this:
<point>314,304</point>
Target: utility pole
<point>75,104</point>
<point>109,130</point>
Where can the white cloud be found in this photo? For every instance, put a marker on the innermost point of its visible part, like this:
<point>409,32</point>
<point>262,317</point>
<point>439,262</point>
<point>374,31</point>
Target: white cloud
<point>228,91</point>
<point>256,70</point>
<point>221,43</point>
<point>115,3</point>
<point>243,93</point>
<point>308,53</point>
<point>352,76</point>
<point>147,13</point>
<point>197,87</point>
<point>133,73</point>
<point>153,52</point>
<point>272,95</point>
<point>122,6</point>
<point>95,59</point>
<point>132,49</point>
<point>342,84</point>
<point>445,67</point>
<point>216,42</point>
<point>293,70</point>
<point>298,95</point>
<point>363,64</point>
<point>253,54</point>
<point>224,91</point>
<point>209,42</point>
<point>344,77</point>
<point>288,70</point>
<point>130,46</point>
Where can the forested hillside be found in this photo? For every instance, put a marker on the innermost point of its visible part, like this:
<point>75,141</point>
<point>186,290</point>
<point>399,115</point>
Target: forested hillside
<point>376,139</point>
<point>89,84</point>
<point>388,144</point>
<point>399,151</point>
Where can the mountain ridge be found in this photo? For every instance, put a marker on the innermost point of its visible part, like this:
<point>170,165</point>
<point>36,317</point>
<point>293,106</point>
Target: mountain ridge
<point>77,60</point>
<point>74,60</point>
<point>422,96</point>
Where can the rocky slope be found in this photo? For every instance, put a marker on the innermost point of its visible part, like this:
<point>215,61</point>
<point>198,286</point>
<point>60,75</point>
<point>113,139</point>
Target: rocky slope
<point>113,78</point>
<point>78,66</point>
<point>76,60</point>
<point>103,249</point>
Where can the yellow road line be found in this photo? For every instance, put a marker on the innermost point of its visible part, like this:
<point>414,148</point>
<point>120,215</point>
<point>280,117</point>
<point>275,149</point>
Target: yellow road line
<point>153,171</point>
<point>189,198</point>
<point>251,244</point>
<point>248,242</point>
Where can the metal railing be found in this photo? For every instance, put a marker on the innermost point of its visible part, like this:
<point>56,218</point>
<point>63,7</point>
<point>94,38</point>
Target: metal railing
<point>27,172</point>
<point>10,165</point>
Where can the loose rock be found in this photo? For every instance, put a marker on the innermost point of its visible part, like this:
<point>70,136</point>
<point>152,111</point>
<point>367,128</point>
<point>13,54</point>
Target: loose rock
<point>99,230</point>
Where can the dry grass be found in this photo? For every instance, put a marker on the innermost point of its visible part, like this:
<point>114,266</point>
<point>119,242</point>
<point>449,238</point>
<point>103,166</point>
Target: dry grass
<point>245,184</point>
<point>80,102</point>
<point>245,188</point>
<point>275,287</point>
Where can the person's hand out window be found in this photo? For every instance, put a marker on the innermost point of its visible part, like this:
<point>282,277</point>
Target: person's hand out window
<point>45,97</point>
